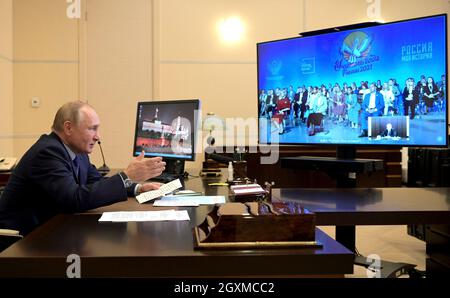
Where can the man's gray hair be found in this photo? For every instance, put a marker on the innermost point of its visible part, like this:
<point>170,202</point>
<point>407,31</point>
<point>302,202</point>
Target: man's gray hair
<point>68,112</point>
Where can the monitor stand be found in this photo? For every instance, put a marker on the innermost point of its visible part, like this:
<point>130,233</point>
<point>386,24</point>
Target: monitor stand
<point>174,170</point>
<point>175,167</point>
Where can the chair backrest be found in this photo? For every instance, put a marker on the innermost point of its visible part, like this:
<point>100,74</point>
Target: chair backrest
<point>7,236</point>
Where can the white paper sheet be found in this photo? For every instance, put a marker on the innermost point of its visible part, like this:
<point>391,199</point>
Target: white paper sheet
<point>188,201</point>
<point>163,190</point>
<point>127,216</point>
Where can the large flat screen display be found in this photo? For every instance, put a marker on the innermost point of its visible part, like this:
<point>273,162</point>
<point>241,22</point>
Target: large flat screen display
<point>378,84</point>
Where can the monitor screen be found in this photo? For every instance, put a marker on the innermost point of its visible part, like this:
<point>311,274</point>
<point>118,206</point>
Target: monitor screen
<point>365,84</point>
<point>166,129</point>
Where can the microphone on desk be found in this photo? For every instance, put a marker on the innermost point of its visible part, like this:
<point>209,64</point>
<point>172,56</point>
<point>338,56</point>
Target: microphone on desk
<point>104,169</point>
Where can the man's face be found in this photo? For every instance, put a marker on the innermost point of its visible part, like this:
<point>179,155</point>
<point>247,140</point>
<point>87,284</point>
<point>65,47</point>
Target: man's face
<point>82,137</point>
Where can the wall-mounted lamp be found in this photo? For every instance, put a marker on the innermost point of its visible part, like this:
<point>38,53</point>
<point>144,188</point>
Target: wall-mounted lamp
<point>231,29</point>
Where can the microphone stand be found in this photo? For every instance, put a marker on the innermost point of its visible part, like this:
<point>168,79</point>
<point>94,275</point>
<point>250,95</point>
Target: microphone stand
<point>104,169</point>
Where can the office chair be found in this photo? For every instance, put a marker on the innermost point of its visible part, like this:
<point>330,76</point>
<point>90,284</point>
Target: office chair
<point>7,236</point>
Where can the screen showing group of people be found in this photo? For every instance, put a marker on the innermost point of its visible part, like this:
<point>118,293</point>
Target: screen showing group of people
<point>373,85</point>
<point>377,110</point>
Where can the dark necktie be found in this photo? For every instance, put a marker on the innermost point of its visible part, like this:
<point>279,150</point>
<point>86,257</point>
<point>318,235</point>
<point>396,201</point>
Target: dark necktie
<point>76,167</point>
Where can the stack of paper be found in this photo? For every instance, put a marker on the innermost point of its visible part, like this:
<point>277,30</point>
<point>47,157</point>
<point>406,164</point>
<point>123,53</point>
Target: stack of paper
<point>189,201</point>
<point>126,216</point>
<point>163,190</point>
<point>247,189</point>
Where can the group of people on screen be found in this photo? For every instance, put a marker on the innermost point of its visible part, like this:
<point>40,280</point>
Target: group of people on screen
<point>350,105</point>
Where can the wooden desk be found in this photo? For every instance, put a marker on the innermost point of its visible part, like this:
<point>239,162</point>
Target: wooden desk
<point>157,249</point>
<point>196,184</point>
<point>346,208</point>
<point>372,206</point>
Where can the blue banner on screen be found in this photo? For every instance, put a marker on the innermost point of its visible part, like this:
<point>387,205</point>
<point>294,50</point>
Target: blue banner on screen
<point>376,85</point>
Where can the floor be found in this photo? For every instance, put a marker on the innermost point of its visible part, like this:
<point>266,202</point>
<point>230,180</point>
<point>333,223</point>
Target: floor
<point>391,243</point>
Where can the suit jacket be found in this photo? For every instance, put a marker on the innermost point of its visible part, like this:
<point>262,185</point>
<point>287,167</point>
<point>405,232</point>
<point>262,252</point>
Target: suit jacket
<point>44,184</point>
<point>379,102</point>
<point>433,90</point>
<point>387,133</point>
<point>415,94</point>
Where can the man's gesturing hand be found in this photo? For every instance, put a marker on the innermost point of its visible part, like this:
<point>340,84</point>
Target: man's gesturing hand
<point>141,169</point>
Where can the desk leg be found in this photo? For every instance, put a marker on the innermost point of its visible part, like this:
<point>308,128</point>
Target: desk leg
<point>345,235</point>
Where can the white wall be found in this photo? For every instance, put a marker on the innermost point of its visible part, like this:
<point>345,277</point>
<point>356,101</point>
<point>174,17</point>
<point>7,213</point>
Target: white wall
<point>119,64</point>
<point>6,81</point>
<point>156,49</point>
<point>45,65</point>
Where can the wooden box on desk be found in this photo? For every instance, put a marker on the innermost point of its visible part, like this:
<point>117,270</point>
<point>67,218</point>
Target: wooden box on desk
<point>256,225</point>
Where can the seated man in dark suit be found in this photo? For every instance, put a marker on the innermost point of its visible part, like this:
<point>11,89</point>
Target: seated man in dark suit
<point>389,131</point>
<point>55,175</point>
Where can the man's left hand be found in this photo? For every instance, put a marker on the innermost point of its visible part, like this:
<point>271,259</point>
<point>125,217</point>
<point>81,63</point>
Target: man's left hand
<point>148,186</point>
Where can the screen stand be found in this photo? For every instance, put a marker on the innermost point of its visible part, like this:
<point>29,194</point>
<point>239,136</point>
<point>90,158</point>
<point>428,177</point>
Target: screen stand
<point>345,178</point>
<point>343,169</point>
<point>174,170</point>
<point>346,234</point>
<point>348,152</point>
<point>174,167</point>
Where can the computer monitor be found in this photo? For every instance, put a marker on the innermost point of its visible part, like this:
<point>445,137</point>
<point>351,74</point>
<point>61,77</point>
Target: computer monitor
<point>167,129</point>
<point>344,85</point>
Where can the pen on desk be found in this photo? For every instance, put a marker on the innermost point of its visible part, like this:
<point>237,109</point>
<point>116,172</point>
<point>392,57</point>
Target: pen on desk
<point>187,194</point>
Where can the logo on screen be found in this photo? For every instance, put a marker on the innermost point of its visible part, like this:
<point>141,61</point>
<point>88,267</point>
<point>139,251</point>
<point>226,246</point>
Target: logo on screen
<point>356,46</point>
<point>274,67</point>
<point>308,65</point>
<point>355,54</point>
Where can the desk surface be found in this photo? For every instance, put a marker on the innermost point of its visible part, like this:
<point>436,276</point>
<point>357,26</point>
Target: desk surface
<point>157,249</point>
<point>196,184</point>
<point>374,206</point>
